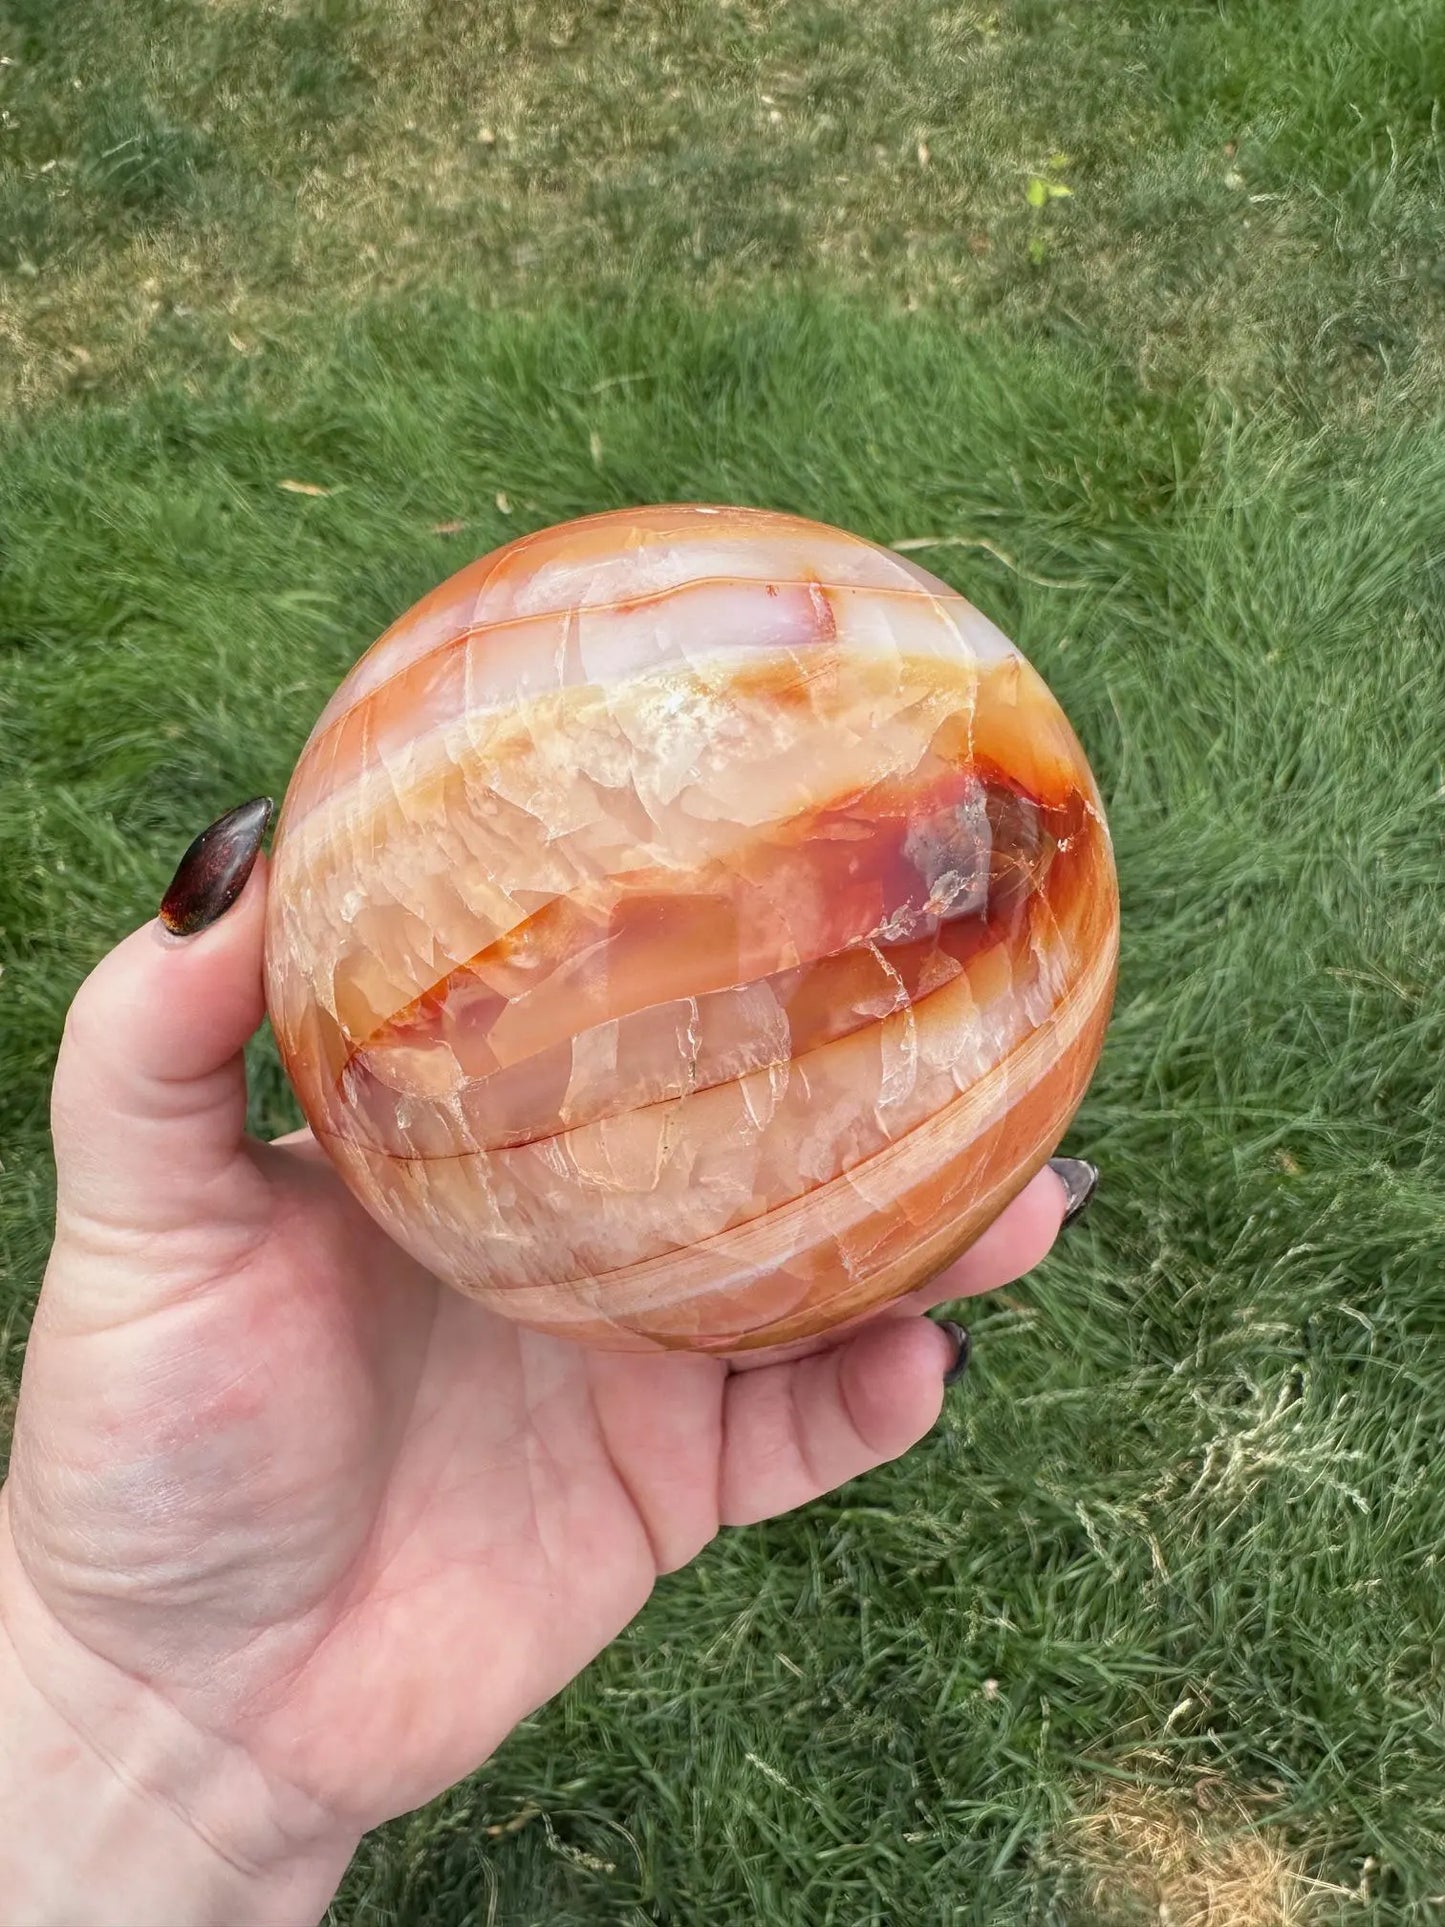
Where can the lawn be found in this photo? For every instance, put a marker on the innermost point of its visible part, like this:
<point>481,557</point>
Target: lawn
<point>1151,1629</point>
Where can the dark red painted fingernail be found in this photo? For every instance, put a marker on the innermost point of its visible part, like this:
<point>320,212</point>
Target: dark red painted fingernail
<point>963,1350</point>
<point>1080,1180</point>
<point>213,872</point>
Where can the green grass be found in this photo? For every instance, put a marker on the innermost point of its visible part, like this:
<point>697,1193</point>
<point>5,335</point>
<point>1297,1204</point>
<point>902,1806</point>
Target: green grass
<point>1253,199</point>
<point>1181,1527</point>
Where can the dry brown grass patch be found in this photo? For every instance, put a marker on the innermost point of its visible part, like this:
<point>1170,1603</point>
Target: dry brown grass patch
<point>1195,1858</point>
<point>293,166</point>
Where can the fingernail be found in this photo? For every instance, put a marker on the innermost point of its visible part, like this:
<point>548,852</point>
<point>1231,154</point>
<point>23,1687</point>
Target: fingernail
<point>213,872</point>
<point>963,1350</point>
<point>1080,1181</point>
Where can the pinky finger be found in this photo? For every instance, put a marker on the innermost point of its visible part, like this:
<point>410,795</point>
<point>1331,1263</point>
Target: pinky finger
<point>794,1431</point>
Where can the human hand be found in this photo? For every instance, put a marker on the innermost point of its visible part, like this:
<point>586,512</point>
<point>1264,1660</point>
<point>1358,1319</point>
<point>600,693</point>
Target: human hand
<point>293,1535</point>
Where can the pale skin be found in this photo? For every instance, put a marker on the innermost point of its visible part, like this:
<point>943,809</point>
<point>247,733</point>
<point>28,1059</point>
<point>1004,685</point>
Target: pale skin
<point>293,1536</point>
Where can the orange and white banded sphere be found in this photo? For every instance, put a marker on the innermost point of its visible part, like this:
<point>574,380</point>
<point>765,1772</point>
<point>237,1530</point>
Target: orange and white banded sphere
<point>689,928</point>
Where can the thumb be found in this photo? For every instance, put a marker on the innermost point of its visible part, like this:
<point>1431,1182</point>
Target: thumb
<point>148,1106</point>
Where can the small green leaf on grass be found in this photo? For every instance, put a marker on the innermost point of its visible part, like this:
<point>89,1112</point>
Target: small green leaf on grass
<point>1038,192</point>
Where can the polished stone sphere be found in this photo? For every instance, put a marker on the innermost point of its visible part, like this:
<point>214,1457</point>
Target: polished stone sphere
<point>689,928</point>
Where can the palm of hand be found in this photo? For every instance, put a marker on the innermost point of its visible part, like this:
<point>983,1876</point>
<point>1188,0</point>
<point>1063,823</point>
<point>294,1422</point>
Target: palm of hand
<point>390,1522</point>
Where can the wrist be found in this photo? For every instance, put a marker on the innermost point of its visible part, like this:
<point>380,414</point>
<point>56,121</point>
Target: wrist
<point>114,1807</point>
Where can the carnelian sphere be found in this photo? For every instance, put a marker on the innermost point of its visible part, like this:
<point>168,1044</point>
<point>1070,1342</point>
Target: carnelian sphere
<point>689,928</point>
